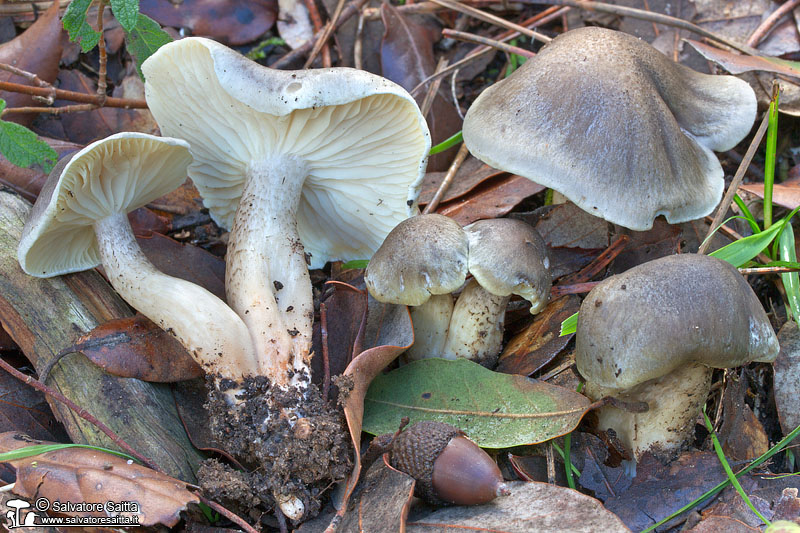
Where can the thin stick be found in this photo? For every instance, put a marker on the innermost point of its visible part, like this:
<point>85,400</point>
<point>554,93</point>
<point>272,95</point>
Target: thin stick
<point>737,180</point>
<point>648,16</point>
<point>326,362</point>
<point>30,76</point>
<point>427,103</point>
<point>359,42</point>
<point>80,411</point>
<point>316,20</point>
<point>575,288</point>
<point>493,19</point>
<point>765,27</point>
<point>767,270</point>
<point>326,34</point>
<point>102,83</point>
<point>52,110</point>
<point>539,19</point>
<point>448,179</point>
<point>61,94</point>
<point>477,39</point>
<point>598,263</point>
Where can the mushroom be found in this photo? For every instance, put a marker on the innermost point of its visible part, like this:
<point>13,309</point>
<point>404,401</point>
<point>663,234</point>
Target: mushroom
<point>619,129</point>
<point>303,167</point>
<point>79,222</point>
<point>425,258</point>
<point>653,334</point>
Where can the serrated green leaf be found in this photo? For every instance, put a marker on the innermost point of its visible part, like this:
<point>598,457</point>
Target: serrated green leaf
<point>126,12</point>
<point>146,37</point>
<point>496,410</point>
<point>75,23</point>
<point>22,147</point>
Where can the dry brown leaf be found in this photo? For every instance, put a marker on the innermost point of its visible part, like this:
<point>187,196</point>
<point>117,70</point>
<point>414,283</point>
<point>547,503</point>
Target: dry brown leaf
<point>134,347</point>
<point>786,384</point>
<point>737,63</point>
<point>24,409</point>
<point>83,475</point>
<point>539,343</point>
<point>531,506</point>
<point>494,198</point>
<point>742,436</point>
<point>470,174</point>
<point>36,50</point>
<point>786,194</point>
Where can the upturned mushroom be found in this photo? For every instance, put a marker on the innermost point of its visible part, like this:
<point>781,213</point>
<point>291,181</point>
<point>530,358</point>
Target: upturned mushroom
<point>654,333</point>
<point>615,126</point>
<point>79,222</point>
<point>425,258</point>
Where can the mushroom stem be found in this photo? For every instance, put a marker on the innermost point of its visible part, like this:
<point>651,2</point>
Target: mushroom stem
<point>431,322</point>
<point>267,278</point>
<point>214,335</point>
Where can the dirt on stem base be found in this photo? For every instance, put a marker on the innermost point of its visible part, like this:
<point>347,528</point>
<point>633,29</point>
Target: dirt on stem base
<point>291,441</point>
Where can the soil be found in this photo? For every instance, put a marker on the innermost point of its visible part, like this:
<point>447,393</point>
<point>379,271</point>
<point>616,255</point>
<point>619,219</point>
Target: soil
<point>292,443</point>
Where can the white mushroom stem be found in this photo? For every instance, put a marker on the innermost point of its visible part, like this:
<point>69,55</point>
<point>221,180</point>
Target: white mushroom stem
<point>431,322</point>
<point>476,327</point>
<point>214,335</point>
<point>267,275</point>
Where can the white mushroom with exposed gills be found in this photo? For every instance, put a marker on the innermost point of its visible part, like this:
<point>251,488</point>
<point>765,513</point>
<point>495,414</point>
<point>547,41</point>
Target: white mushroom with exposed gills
<point>615,126</point>
<point>303,167</point>
<point>79,222</point>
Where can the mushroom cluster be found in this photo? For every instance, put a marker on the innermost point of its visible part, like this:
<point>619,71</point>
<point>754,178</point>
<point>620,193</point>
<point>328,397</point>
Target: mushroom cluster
<point>426,258</point>
<point>654,333</point>
<point>615,126</point>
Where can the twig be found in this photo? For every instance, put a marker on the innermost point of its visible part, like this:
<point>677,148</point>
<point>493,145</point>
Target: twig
<point>61,94</point>
<point>648,16</point>
<point>30,76</point>
<point>493,19</point>
<point>427,103</point>
<point>737,180</point>
<point>477,39</point>
<point>52,110</point>
<point>765,27</point>
<point>80,411</point>
<point>575,288</point>
<point>102,84</point>
<point>227,514</point>
<point>767,270</point>
<point>316,20</point>
<point>655,26</point>
<point>448,179</point>
<point>326,362</point>
<point>359,42</point>
<point>327,31</point>
<point>598,263</point>
<point>539,19</point>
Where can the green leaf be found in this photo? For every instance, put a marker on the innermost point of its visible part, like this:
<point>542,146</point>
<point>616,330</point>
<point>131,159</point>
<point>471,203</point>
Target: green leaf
<point>791,280</point>
<point>569,325</point>
<point>740,252</point>
<point>447,143</point>
<point>496,410</point>
<point>75,23</point>
<point>145,38</point>
<point>126,12</point>
<point>37,449</point>
<point>355,263</point>
<point>22,147</point>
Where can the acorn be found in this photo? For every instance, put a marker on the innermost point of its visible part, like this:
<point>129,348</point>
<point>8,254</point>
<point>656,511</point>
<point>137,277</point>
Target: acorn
<point>449,468</point>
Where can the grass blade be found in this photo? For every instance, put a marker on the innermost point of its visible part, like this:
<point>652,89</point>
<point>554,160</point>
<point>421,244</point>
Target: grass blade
<point>771,155</point>
<point>791,280</point>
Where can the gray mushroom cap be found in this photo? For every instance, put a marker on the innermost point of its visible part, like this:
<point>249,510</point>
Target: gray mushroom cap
<point>615,126</point>
<point>423,255</point>
<point>666,314</point>
<point>508,256</point>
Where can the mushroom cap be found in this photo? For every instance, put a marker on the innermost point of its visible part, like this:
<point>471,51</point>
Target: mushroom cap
<point>361,137</point>
<point>113,175</point>
<point>615,126</point>
<point>667,313</point>
<point>508,256</point>
<point>423,255</point>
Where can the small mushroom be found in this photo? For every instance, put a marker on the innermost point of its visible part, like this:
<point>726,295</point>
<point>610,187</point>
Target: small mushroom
<point>79,222</point>
<point>303,167</point>
<point>623,132</point>
<point>431,254</point>
<point>653,334</point>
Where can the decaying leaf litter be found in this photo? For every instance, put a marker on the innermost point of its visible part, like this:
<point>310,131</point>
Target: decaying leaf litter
<point>405,44</point>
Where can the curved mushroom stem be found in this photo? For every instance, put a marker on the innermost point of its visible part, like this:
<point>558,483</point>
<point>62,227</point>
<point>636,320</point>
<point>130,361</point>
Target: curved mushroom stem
<point>267,278</point>
<point>214,335</point>
<point>476,327</point>
<point>431,322</point>
<point>675,401</point>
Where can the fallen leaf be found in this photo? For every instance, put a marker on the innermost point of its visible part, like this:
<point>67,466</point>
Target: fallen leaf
<point>786,385</point>
<point>25,410</point>
<point>407,58</point>
<point>539,343</point>
<point>84,475</point>
<point>786,194</point>
<point>737,63</point>
<point>742,436</point>
<point>568,226</point>
<point>36,50</point>
<point>496,410</point>
<point>232,22</point>
<point>134,347</point>
<point>470,174</point>
<point>660,241</point>
<point>531,506</point>
<point>145,222</point>
<point>294,24</point>
<point>715,524</point>
<point>493,198</point>
<point>381,501</point>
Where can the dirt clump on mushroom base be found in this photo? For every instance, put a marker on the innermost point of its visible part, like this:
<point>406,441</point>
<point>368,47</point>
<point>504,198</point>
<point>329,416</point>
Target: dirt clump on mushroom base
<point>300,457</point>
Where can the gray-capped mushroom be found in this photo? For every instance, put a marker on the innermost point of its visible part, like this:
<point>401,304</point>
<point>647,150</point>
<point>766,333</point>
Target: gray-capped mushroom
<point>654,333</point>
<point>303,167</point>
<point>614,125</point>
<point>79,222</point>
